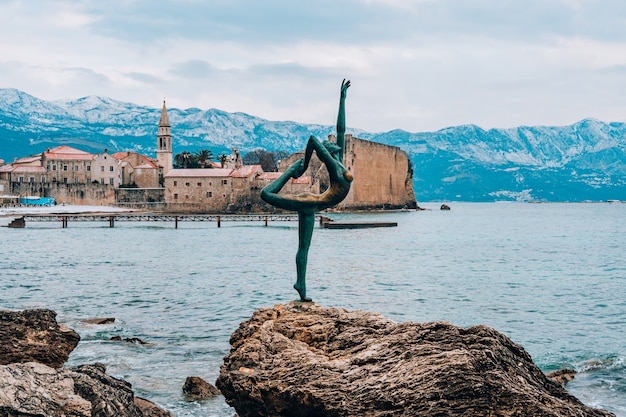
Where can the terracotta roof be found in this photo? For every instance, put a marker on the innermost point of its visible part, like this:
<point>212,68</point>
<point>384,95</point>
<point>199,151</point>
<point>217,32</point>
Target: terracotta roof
<point>246,171</point>
<point>125,154</point>
<point>21,169</point>
<point>305,179</point>
<point>146,165</point>
<point>120,155</point>
<point>68,153</point>
<point>270,176</point>
<point>28,159</point>
<point>198,172</point>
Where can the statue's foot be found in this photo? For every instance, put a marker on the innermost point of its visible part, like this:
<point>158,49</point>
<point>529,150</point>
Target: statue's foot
<point>297,169</point>
<point>302,292</point>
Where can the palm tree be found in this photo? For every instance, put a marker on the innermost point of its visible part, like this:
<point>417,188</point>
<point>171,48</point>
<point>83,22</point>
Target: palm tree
<point>223,158</point>
<point>183,158</point>
<point>204,155</point>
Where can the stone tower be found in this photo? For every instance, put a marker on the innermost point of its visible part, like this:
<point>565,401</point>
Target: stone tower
<point>164,142</point>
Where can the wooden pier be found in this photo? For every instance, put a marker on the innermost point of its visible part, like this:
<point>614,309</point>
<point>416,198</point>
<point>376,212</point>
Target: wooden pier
<point>20,220</point>
<point>112,218</point>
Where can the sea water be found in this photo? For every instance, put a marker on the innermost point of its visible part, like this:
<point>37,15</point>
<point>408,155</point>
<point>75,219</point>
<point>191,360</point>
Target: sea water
<point>552,277</point>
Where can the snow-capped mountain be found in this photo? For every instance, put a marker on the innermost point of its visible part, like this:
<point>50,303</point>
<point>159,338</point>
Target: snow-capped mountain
<point>583,161</point>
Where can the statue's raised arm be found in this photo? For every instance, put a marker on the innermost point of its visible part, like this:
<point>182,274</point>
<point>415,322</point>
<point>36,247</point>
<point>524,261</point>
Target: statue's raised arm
<point>341,118</point>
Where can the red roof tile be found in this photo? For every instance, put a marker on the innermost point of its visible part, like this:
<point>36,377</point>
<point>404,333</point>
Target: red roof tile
<point>270,176</point>
<point>246,171</point>
<point>28,159</point>
<point>198,173</point>
<point>68,153</point>
<point>16,169</point>
<point>305,179</point>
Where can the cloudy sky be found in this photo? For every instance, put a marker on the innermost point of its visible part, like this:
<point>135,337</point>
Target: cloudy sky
<point>417,65</point>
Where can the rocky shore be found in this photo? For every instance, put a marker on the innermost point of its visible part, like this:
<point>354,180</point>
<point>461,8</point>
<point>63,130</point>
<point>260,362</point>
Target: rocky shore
<point>301,359</point>
<point>35,382</point>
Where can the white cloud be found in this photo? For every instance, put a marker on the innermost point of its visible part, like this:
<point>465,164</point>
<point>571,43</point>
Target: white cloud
<point>415,65</point>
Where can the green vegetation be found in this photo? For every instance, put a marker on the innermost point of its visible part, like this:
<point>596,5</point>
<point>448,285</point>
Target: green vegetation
<point>267,160</point>
<point>200,159</point>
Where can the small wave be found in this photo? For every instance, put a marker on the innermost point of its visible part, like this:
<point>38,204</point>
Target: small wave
<point>609,363</point>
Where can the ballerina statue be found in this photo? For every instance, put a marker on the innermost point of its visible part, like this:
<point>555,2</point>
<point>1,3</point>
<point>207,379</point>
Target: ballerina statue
<point>307,204</point>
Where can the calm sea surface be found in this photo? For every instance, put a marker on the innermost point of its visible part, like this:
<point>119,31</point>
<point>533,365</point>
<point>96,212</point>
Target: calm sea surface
<point>550,276</point>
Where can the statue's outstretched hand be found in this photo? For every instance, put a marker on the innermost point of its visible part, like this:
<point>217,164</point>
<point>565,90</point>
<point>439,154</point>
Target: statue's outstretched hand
<point>344,87</point>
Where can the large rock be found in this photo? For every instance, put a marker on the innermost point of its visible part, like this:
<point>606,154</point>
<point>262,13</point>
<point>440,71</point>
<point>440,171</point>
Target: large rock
<point>35,336</point>
<point>196,389</point>
<point>34,389</point>
<point>34,383</point>
<point>301,359</point>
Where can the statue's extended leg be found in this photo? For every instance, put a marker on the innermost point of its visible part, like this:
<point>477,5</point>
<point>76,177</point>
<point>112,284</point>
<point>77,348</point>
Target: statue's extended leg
<point>306,223</point>
<point>269,193</point>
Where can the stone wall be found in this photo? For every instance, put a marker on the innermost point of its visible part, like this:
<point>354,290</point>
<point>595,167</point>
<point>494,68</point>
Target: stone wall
<point>381,176</point>
<point>94,194</point>
<point>382,179</point>
<point>140,198</point>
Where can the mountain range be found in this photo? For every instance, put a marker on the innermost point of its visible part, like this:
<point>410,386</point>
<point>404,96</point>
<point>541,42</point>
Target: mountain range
<point>585,161</point>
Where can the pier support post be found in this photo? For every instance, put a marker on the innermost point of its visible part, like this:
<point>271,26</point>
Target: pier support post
<point>219,221</point>
<point>64,222</point>
<point>111,221</point>
<point>175,222</point>
<point>265,221</point>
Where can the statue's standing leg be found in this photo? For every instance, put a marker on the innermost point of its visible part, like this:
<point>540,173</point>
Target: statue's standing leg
<point>306,223</point>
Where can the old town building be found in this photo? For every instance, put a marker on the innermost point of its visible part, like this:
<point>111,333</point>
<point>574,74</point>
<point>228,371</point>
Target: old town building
<point>382,178</point>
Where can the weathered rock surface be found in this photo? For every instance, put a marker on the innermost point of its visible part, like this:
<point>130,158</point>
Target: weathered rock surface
<point>562,376</point>
<point>35,336</point>
<point>35,389</point>
<point>32,340</point>
<point>196,388</point>
<point>150,409</point>
<point>301,359</point>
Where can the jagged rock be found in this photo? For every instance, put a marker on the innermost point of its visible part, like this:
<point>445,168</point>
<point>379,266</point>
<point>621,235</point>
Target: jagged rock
<point>99,320</point>
<point>562,376</point>
<point>35,336</point>
<point>196,388</point>
<point>31,340</point>
<point>34,389</point>
<point>306,360</point>
<point>109,396</point>
<point>133,340</point>
<point>150,409</point>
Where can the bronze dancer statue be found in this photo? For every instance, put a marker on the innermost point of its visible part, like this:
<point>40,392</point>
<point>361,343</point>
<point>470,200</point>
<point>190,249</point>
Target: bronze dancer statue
<point>307,204</point>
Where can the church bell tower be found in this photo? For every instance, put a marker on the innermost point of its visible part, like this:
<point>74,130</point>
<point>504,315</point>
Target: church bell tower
<point>164,142</point>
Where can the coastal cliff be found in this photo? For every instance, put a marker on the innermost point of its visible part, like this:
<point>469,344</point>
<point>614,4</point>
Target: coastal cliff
<point>302,359</point>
